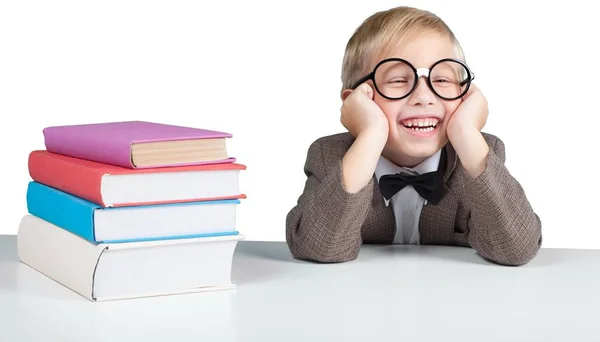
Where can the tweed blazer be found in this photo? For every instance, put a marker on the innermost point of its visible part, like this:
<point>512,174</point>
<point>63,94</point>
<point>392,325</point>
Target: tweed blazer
<point>490,213</point>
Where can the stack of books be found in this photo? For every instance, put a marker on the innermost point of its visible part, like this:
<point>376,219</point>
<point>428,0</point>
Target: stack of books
<point>132,209</point>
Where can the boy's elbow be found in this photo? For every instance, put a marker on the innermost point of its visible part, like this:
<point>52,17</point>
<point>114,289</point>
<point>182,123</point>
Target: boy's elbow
<point>319,254</point>
<point>510,255</point>
<point>520,256</point>
<point>310,243</point>
<point>322,259</point>
<point>518,251</point>
<point>525,251</point>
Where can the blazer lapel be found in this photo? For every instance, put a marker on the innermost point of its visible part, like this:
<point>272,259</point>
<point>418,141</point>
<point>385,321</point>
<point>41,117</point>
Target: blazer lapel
<point>436,224</point>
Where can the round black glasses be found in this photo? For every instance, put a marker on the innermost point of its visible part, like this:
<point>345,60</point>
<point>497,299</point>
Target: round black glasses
<point>396,78</point>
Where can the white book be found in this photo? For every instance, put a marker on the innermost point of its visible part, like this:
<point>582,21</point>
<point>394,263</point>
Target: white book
<point>101,272</point>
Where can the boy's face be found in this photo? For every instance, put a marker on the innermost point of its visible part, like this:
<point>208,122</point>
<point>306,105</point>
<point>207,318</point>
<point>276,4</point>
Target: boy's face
<point>408,145</point>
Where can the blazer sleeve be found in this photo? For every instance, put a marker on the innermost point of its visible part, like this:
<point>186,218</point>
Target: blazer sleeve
<point>503,225</point>
<point>325,224</point>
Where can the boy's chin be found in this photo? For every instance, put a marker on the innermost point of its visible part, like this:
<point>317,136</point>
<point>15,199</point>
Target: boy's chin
<point>415,151</point>
<point>419,146</point>
<point>420,152</point>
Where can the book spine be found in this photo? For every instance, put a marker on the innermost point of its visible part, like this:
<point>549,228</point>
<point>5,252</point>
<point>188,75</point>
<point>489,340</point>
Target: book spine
<point>68,212</point>
<point>82,144</point>
<point>69,177</point>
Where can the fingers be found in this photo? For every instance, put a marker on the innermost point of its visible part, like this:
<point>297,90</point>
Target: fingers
<point>366,89</point>
<point>472,89</point>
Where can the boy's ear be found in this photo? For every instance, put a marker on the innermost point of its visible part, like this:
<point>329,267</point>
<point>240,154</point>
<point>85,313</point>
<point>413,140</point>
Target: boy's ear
<point>345,93</point>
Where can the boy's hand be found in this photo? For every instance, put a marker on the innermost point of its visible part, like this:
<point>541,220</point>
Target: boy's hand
<point>464,131</point>
<point>471,114</point>
<point>359,113</point>
<point>368,124</point>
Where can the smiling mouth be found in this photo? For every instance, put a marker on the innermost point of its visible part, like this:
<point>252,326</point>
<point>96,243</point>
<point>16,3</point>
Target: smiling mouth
<point>421,125</point>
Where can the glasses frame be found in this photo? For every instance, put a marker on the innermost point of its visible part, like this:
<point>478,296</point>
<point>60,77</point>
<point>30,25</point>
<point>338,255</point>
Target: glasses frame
<point>418,73</point>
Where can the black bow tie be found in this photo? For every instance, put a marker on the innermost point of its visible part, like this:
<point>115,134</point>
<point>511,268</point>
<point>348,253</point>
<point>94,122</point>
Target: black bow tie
<point>429,185</point>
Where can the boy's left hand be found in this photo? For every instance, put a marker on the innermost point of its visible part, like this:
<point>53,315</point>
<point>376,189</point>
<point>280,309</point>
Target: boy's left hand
<point>471,114</point>
<point>464,131</point>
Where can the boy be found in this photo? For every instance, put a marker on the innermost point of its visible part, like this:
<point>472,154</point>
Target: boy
<point>414,167</point>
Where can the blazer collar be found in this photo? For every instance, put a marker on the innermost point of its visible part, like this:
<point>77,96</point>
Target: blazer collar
<point>451,161</point>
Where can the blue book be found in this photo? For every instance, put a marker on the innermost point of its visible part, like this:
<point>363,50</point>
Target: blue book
<point>99,224</point>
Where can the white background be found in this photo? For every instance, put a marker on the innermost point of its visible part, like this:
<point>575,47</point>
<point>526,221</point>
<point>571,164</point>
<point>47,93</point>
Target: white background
<point>238,66</point>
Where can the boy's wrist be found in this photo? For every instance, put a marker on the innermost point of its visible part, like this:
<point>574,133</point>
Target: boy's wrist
<point>472,150</point>
<point>375,136</point>
<point>358,165</point>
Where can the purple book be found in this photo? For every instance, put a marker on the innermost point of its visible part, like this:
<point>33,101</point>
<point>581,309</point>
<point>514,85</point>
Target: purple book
<point>113,142</point>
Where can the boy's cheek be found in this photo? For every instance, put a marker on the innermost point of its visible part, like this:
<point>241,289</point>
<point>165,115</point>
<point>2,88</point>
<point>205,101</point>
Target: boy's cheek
<point>390,111</point>
<point>391,118</point>
<point>452,108</point>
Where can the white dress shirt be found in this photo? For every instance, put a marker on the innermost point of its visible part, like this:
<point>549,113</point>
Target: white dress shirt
<point>407,203</point>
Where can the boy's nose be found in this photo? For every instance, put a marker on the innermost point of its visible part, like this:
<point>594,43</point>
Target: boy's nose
<point>422,95</point>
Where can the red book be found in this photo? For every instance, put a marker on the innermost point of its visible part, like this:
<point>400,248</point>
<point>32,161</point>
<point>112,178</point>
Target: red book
<point>113,186</point>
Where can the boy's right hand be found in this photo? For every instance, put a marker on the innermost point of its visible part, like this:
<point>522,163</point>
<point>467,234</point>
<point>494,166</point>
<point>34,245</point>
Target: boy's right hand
<point>368,124</point>
<point>359,113</point>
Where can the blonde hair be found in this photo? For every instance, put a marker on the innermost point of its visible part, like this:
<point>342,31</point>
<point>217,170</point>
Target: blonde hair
<point>385,30</point>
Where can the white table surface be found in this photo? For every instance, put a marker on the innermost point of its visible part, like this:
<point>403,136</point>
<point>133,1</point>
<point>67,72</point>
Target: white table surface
<point>391,293</point>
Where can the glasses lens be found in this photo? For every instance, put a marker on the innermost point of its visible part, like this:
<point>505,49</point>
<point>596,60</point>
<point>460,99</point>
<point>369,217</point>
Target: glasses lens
<point>449,80</point>
<point>394,79</point>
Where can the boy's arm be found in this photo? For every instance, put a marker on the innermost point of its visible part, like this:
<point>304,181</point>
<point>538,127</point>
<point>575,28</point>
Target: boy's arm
<point>503,226</point>
<point>325,225</point>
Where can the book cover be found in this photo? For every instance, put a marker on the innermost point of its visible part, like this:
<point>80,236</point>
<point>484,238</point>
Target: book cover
<point>111,142</point>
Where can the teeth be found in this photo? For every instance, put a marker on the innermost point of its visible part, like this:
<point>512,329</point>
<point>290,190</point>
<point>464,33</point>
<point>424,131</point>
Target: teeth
<point>420,129</point>
<point>425,123</point>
